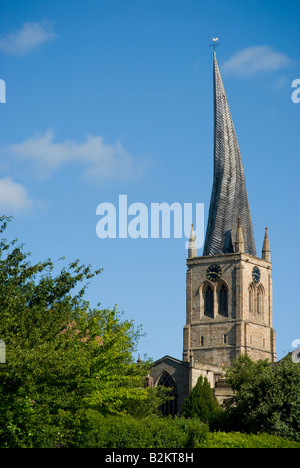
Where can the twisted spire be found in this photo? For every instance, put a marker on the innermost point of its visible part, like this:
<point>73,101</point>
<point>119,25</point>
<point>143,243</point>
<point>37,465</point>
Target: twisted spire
<point>229,199</point>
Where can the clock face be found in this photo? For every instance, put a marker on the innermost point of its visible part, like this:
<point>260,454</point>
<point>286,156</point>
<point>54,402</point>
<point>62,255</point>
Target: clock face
<point>214,272</point>
<point>256,274</point>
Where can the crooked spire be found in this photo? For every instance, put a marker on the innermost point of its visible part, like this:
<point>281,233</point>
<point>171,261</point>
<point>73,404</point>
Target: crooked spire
<point>229,199</point>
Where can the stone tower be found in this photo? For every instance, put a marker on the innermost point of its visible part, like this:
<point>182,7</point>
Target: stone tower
<point>229,288</point>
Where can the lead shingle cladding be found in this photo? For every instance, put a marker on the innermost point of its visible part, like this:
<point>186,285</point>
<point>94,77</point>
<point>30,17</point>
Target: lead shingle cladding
<point>229,199</point>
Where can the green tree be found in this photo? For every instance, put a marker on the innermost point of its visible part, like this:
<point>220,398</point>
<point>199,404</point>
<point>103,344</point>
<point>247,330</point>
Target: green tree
<point>267,397</point>
<point>62,357</point>
<point>201,402</point>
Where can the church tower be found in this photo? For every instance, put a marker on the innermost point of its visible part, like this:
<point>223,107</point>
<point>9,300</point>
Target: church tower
<point>229,288</point>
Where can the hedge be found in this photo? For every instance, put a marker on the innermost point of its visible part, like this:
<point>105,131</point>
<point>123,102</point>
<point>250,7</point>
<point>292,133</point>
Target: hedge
<point>240,440</point>
<point>151,432</point>
<point>154,432</point>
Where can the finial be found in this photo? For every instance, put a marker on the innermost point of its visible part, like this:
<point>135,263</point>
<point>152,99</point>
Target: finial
<point>239,243</point>
<point>215,43</point>
<point>266,251</point>
<point>192,250</point>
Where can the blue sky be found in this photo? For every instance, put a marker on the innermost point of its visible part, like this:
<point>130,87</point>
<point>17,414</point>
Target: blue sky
<point>111,97</point>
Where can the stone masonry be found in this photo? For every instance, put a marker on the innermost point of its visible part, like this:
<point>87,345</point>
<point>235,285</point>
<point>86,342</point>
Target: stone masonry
<point>247,329</point>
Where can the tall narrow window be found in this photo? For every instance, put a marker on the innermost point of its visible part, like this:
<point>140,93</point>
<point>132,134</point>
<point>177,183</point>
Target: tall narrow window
<point>223,301</point>
<point>209,302</point>
<point>259,299</point>
<point>251,299</point>
<point>258,303</point>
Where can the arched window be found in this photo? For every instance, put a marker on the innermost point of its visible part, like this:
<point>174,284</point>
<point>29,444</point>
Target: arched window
<point>259,300</point>
<point>258,303</point>
<point>170,406</point>
<point>209,301</point>
<point>223,301</point>
<point>251,299</point>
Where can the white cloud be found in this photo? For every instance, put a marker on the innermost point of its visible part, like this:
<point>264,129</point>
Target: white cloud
<point>14,197</point>
<point>100,161</point>
<point>30,36</point>
<point>256,59</point>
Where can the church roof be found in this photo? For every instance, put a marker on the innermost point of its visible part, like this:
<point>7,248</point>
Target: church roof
<point>169,358</point>
<point>229,200</point>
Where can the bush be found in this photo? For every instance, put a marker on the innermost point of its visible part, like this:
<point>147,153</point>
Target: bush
<point>151,432</point>
<point>238,440</point>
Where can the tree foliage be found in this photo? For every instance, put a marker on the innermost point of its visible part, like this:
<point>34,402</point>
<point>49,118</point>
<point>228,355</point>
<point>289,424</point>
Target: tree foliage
<point>62,357</point>
<point>267,397</point>
<point>201,402</point>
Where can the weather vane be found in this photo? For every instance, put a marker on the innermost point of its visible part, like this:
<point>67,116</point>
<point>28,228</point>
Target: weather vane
<point>215,43</point>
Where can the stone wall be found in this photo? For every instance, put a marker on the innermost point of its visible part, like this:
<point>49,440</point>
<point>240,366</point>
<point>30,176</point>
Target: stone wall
<point>217,340</point>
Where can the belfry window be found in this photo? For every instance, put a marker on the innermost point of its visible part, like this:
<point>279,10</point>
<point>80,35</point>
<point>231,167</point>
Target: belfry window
<point>209,302</point>
<point>223,301</point>
<point>259,299</point>
<point>251,299</point>
<point>258,303</point>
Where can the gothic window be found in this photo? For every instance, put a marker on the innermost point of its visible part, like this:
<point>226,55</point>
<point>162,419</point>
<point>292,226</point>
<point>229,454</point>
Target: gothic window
<point>170,406</point>
<point>258,303</point>
<point>223,301</point>
<point>259,299</point>
<point>209,302</point>
<point>251,299</point>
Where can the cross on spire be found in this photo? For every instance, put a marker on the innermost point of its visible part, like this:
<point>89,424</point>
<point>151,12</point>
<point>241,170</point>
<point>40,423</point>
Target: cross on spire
<point>215,43</point>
